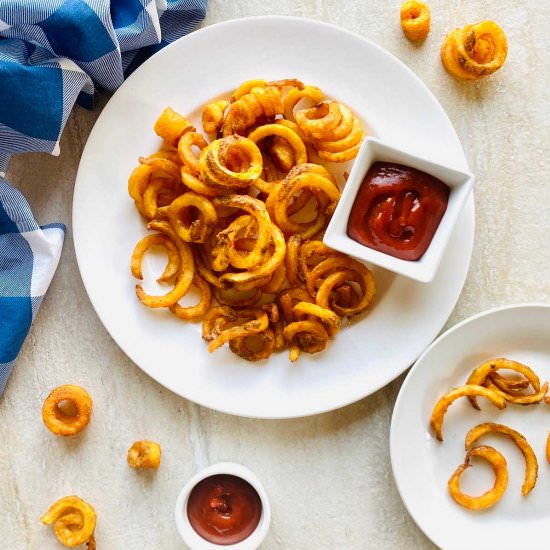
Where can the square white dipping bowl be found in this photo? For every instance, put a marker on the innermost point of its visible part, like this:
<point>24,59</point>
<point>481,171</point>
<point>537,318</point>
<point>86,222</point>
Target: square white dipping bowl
<point>424,269</point>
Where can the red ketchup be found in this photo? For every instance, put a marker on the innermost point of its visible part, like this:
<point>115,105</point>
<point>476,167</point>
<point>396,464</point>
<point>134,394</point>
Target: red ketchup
<point>224,509</point>
<point>397,210</point>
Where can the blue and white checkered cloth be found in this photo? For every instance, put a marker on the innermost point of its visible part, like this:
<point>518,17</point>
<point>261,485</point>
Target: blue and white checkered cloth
<point>54,53</point>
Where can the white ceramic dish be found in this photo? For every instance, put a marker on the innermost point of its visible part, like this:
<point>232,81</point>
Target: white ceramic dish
<point>192,539</point>
<point>368,353</point>
<point>423,270</point>
<point>422,465</point>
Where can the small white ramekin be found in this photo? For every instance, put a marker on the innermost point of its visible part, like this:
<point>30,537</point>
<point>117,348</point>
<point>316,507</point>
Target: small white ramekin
<point>192,539</point>
<point>424,269</point>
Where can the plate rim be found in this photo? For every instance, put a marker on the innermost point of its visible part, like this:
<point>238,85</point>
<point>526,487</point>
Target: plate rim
<point>441,338</point>
<point>470,204</point>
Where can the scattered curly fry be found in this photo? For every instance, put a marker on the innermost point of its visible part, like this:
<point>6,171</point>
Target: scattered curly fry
<point>474,52</point>
<point>415,20</point>
<point>67,410</point>
<point>491,497</point>
<point>144,454</point>
<point>74,521</point>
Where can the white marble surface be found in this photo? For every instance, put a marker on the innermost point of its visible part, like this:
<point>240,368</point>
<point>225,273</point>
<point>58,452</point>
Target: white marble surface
<point>329,477</point>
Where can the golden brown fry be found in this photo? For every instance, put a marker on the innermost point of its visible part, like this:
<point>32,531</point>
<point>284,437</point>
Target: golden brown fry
<point>184,278</point>
<point>309,335</point>
<point>237,298</point>
<point>171,126</point>
<point>531,464</point>
<point>74,520</point>
<point>258,323</point>
<point>198,311</point>
<point>531,399</point>
<point>230,163</point>
<point>255,347</point>
<point>445,401</point>
<point>185,150</point>
<point>295,95</point>
<point>480,374</point>
<point>359,274</point>
<point>217,320</point>
<point>173,265</point>
<point>144,454</point>
<point>415,20</point>
<point>507,384</point>
<point>476,51</point>
<point>491,497</point>
<point>325,315</point>
<point>67,410</point>
<point>212,116</point>
<point>188,228</point>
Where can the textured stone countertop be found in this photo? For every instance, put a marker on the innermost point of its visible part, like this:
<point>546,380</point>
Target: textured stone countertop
<point>329,476</point>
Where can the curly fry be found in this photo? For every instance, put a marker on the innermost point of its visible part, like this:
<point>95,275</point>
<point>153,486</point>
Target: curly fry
<point>173,265</point>
<point>491,497</point>
<point>198,311</point>
<point>474,52</point>
<point>415,20</point>
<point>67,410</point>
<point>212,116</point>
<point>74,520</point>
<point>445,401</point>
<point>531,464</point>
<point>144,454</point>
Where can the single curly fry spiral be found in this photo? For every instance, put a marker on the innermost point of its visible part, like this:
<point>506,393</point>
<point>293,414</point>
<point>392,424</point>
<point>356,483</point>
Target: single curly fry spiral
<point>171,126</point>
<point>144,454</point>
<point>74,520</point>
<point>261,102</point>
<point>415,20</point>
<point>212,116</point>
<point>67,410</point>
<point>475,51</point>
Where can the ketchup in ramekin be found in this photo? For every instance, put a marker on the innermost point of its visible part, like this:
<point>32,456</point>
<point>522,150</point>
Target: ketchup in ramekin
<point>397,210</point>
<point>224,509</point>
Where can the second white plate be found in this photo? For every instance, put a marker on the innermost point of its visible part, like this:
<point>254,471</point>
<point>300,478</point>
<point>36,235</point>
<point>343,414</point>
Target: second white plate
<point>422,465</point>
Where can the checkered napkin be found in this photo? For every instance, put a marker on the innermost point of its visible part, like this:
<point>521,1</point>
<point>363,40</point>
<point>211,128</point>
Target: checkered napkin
<point>54,53</point>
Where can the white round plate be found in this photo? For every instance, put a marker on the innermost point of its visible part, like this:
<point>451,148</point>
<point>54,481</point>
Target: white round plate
<point>395,105</point>
<point>422,465</point>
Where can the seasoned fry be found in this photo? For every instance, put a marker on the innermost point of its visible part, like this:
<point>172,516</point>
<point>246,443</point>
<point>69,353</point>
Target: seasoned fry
<point>173,265</point>
<point>491,497</point>
<point>445,401</point>
<point>74,521</point>
<point>531,464</point>
<point>474,52</point>
<point>532,399</point>
<point>237,214</point>
<point>185,150</point>
<point>189,229</point>
<point>144,454</point>
<point>507,384</point>
<point>480,374</point>
<point>67,410</point>
<point>198,311</point>
<point>212,116</point>
<point>171,126</point>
